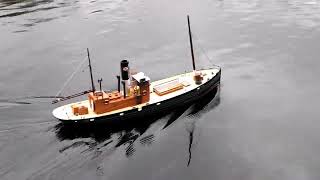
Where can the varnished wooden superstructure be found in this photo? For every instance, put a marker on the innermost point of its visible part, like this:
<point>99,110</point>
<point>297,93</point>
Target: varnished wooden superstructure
<point>102,102</point>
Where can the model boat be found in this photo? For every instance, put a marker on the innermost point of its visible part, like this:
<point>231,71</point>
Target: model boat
<point>137,96</point>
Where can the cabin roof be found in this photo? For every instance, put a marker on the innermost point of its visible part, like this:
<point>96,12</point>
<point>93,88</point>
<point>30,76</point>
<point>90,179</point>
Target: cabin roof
<point>139,76</point>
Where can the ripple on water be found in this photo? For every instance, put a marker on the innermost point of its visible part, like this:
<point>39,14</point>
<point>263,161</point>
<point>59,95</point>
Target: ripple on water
<point>30,13</point>
<point>249,39</point>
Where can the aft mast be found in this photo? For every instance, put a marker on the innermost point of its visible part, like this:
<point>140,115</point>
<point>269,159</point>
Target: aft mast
<point>197,77</point>
<point>91,76</point>
<point>191,45</point>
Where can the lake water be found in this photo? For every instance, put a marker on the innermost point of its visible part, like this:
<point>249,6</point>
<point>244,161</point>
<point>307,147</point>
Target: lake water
<point>261,124</point>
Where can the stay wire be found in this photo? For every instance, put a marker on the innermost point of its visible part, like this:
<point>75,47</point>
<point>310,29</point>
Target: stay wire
<point>70,77</point>
<point>203,50</point>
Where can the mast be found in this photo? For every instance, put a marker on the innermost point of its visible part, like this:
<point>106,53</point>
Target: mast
<point>90,68</point>
<point>191,45</point>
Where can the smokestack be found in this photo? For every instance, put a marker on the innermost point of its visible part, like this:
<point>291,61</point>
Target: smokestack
<point>124,65</point>
<point>124,69</point>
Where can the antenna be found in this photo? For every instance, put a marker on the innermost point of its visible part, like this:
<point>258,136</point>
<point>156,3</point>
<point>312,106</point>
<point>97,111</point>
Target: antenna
<point>191,45</point>
<point>92,84</point>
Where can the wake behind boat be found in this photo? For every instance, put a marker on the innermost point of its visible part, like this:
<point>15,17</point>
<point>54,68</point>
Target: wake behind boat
<point>139,96</point>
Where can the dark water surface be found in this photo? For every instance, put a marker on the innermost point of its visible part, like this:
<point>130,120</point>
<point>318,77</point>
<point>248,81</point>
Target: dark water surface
<point>262,125</point>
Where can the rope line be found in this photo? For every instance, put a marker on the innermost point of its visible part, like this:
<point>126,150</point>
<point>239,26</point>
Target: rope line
<point>203,50</point>
<point>70,77</point>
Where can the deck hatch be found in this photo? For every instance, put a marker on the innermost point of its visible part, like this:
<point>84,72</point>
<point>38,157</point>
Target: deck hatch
<point>168,87</point>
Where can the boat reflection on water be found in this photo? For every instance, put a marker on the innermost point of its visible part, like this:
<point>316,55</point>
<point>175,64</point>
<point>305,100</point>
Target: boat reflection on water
<point>129,131</point>
<point>199,108</point>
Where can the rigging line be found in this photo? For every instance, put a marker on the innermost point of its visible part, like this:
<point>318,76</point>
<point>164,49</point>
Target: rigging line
<point>70,77</point>
<point>203,50</point>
